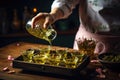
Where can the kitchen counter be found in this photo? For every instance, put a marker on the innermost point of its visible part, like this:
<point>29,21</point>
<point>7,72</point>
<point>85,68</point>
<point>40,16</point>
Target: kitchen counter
<point>15,49</point>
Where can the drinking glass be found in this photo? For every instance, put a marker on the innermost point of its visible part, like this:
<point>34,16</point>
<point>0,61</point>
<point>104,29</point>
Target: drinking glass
<point>86,46</point>
<point>38,31</point>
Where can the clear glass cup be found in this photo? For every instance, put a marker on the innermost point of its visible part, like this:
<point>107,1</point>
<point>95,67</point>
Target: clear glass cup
<point>38,31</point>
<point>86,46</point>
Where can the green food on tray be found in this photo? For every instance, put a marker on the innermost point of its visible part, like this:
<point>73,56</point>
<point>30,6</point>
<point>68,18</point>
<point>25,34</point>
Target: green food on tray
<point>62,58</point>
<point>112,58</point>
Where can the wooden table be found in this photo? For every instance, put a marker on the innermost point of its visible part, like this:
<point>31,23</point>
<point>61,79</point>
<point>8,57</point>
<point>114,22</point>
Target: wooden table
<point>15,50</point>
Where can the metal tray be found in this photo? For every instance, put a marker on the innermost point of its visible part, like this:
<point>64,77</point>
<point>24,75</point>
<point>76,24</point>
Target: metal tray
<point>60,70</point>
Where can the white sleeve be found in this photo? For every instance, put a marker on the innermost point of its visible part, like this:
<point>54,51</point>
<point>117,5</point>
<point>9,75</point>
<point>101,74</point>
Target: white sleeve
<point>65,5</point>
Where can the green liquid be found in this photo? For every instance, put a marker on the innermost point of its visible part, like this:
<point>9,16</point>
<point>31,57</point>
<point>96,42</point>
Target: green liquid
<point>45,34</point>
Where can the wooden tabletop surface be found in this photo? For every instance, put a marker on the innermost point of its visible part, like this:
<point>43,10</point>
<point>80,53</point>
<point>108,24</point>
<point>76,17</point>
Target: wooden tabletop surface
<point>15,49</point>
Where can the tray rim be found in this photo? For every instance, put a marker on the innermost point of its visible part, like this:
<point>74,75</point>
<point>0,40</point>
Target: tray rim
<point>17,60</point>
<point>19,63</point>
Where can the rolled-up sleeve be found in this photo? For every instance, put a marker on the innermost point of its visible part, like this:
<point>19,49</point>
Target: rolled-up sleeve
<point>65,5</point>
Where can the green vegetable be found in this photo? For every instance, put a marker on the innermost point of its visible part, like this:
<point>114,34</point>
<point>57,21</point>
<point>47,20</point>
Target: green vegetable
<point>53,57</point>
<point>112,58</point>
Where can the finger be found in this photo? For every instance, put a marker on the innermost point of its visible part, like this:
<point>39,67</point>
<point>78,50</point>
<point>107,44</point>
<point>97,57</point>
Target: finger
<point>33,22</point>
<point>46,23</point>
<point>36,19</point>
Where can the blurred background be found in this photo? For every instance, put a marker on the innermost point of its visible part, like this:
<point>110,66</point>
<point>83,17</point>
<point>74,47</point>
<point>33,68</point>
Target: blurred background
<point>15,13</point>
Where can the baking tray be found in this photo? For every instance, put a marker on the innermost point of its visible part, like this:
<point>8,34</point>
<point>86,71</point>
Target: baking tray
<point>60,70</point>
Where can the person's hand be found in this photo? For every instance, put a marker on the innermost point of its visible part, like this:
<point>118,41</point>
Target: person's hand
<point>45,19</point>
